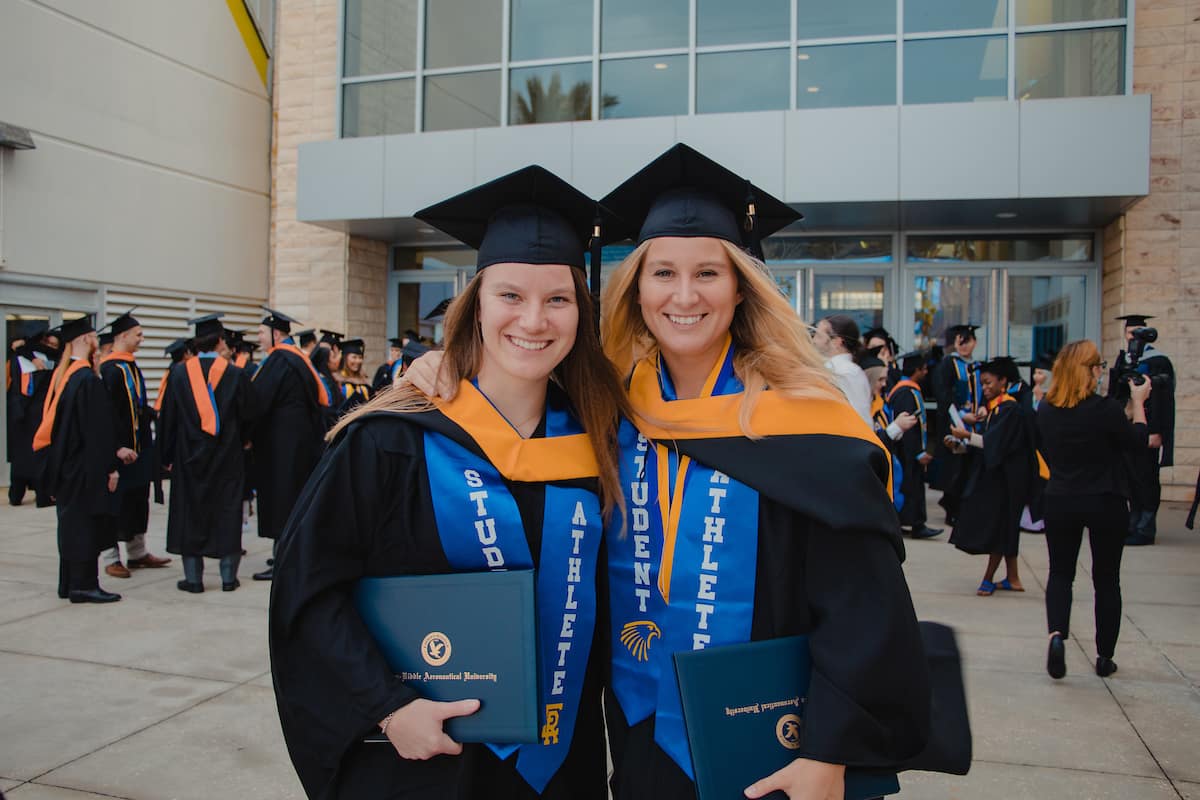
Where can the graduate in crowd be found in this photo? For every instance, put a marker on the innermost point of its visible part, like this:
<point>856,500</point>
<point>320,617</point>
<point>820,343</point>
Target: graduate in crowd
<point>905,397</point>
<point>244,357</point>
<point>332,341</point>
<point>177,351</point>
<point>105,340</point>
<point>356,389</point>
<point>203,431</point>
<point>32,365</point>
<point>132,420</point>
<point>999,469</point>
<point>306,340</point>
<point>888,353</point>
<point>80,471</point>
<point>955,382</point>
<point>836,338</point>
<point>1040,377</point>
<point>322,359</point>
<point>383,375</point>
<point>413,349</point>
<point>889,426</point>
<point>1160,421</point>
<point>534,415</point>
<point>290,407</point>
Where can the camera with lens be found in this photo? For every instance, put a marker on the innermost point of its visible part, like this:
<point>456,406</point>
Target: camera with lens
<point>1139,338</point>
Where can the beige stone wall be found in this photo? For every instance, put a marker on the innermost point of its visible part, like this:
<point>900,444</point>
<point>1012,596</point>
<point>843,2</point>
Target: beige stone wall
<point>1152,254</point>
<point>322,277</point>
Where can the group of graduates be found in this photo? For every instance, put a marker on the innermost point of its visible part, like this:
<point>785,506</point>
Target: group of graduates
<point>85,436</point>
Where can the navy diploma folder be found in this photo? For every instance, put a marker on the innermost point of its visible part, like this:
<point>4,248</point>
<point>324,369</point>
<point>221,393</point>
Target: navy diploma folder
<point>461,636</point>
<point>743,706</point>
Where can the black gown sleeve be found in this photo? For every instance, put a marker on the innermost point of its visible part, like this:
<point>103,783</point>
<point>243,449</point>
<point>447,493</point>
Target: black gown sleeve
<point>99,441</point>
<point>910,442</point>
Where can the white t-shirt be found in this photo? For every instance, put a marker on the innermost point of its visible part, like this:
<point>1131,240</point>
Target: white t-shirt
<point>853,381</point>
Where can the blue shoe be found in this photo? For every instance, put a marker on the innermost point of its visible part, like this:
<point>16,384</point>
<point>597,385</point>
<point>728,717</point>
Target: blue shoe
<point>1007,586</point>
<point>986,589</point>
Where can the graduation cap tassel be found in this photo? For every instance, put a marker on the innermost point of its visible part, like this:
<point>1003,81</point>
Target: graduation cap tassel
<point>752,233</point>
<point>594,253</point>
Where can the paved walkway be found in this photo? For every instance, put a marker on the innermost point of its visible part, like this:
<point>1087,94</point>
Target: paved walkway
<point>167,695</point>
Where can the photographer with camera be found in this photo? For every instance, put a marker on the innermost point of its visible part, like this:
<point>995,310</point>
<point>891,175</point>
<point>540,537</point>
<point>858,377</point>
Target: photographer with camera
<point>1140,361</point>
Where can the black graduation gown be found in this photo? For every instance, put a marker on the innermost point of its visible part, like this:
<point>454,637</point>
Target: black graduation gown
<point>287,434</point>
<point>951,467</point>
<point>207,472</point>
<point>132,426</point>
<point>369,511</point>
<point>82,453</point>
<point>909,448</point>
<point>1143,466</point>
<point>24,417</point>
<point>382,379</point>
<point>997,485</point>
<point>357,396</point>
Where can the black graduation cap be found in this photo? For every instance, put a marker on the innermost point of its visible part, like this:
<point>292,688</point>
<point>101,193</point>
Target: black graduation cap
<point>869,361</point>
<point>685,193</point>
<point>1044,361</point>
<point>1135,320</point>
<point>911,361</point>
<point>1004,366</point>
<point>439,310</point>
<point>107,338</point>
<point>232,338</point>
<point>352,347</point>
<point>954,331</point>
<point>176,349</point>
<point>306,337</point>
<point>121,324</point>
<point>207,325</point>
<point>244,345</point>
<point>32,329</point>
<point>396,341</point>
<point>331,337</point>
<point>278,320</point>
<point>413,350</point>
<point>75,328</point>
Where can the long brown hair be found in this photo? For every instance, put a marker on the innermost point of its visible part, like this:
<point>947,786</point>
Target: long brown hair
<point>1071,381</point>
<point>773,346</point>
<point>587,377</point>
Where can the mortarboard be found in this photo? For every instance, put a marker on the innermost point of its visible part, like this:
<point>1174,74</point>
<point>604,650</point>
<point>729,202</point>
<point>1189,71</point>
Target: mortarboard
<point>278,320</point>
<point>439,310</point>
<point>1004,366</point>
<point>122,323</point>
<point>954,331</point>
<point>106,338</point>
<point>396,341</point>
<point>207,325</point>
<point>306,337</point>
<point>331,337</point>
<point>352,347</point>
<point>176,349</point>
<point>685,193</point>
<point>911,361</point>
<point>1044,361</point>
<point>75,328</point>
<point>244,345</point>
<point>1135,320</point>
<point>413,350</point>
<point>869,361</point>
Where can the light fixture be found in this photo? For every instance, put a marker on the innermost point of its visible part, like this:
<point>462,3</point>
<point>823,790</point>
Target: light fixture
<point>425,230</point>
<point>660,65</point>
<point>802,57</point>
<point>1006,215</point>
<point>814,89</point>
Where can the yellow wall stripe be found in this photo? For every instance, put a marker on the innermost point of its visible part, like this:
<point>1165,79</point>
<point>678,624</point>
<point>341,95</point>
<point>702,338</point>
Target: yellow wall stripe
<point>254,45</point>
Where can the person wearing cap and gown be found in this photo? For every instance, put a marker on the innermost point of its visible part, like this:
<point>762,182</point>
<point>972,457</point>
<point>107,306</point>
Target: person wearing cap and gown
<point>905,397</point>
<point>332,341</point>
<point>105,340</point>
<point>133,417</point>
<point>955,382</point>
<point>356,389</point>
<point>412,350</point>
<point>388,499</point>
<point>80,469</point>
<point>889,426</point>
<point>1160,421</point>
<point>204,427</point>
<point>290,407</point>
<point>306,340</point>
<point>383,375</point>
<point>888,353</point>
<point>33,364</point>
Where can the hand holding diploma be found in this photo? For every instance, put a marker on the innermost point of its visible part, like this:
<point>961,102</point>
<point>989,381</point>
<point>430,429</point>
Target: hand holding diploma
<point>415,730</point>
<point>804,779</point>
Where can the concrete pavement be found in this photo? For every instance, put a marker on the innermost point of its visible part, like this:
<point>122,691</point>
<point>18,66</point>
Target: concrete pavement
<point>167,694</point>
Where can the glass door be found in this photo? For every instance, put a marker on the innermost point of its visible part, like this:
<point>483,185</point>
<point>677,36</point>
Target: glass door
<point>1044,312</point>
<point>942,299</point>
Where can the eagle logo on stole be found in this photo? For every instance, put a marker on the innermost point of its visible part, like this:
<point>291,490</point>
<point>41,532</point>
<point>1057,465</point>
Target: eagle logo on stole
<point>637,636</point>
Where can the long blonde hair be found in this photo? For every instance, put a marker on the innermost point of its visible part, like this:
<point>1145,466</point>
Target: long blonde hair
<point>773,346</point>
<point>1072,381</point>
<point>587,377</point>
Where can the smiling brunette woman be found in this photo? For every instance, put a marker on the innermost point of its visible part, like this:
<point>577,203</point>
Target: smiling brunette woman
<point>521,345</point>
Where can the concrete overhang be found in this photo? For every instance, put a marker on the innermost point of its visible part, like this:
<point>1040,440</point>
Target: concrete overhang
<point>1069,163</point>
<point>15,138</point>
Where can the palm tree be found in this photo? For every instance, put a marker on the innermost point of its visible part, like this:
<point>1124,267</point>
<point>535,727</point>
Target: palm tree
<point>541,103</point>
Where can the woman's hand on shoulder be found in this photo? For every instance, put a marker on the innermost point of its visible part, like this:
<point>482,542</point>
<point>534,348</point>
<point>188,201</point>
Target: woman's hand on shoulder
<point>804,779</point>
<point>416,729</point>
<point>425,374</point>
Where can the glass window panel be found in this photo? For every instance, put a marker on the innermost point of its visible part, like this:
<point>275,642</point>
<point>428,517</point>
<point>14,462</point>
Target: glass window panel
<point>721,83</point>
<point>866,250</point>
<point>857,296</point>
<point>722,22</point>
<point>550,29</point>
<point>821,19</point>
<point>550,94</point>
<point>627,25</point>
<point>788,283</point>
<point>954,15</point>
<point>1044,313</point>
<point>1032,248</point>
<point>1071,63</point>
<point>1047,12</point>
<point>459,33</point>
<point>462,101</point>
<point>379,109</point>
<point>956,70</point>
<point>945,300</point>
<point>644,87</point>
<point>846,75</point>
<point>381,37</point>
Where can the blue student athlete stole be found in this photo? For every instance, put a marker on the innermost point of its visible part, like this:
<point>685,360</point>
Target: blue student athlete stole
<point>480,528</point>
<point>682,574</point>
<point>966,388</point>
<point>884,416</point>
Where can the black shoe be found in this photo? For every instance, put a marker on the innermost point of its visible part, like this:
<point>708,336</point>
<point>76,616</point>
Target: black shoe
<point>229,587</point>
<point>927,532</point>
<point>1105,666</point>
<point>1056,658</point>
<point>266,575</point>
<point>96,595</point>
<point>270,562</point>
<point>1137,540</point>
<point>188,586</point>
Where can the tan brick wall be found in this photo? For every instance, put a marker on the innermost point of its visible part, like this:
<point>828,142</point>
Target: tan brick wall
<point>1152,254</point>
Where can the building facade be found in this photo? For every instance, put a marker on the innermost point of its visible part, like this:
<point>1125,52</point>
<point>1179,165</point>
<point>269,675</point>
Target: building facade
<point>1025,165</point>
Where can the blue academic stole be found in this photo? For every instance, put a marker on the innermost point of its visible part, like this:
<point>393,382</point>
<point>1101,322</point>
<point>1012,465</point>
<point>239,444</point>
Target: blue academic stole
<point>480,528</point>
<point>135,387</point>
<point>683,571</point>
<point>967,389</point>
<point>885,416</point>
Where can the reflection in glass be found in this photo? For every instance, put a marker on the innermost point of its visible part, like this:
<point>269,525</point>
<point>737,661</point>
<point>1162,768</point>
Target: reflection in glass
<point>788,284</point>
<point>857,296</point>
<point>1044,313</point>
<point>945,300</point>
<point>722,22</point>
<point>550,29</point>
<point>644,87</point>
<point>954,15</point>
<point>1085,63</point>
<point>956,70</point>
<point>459,33</point>
<point>753,80</point>
<point>627,25</point>
<point>560,93</point>
<point>471,100</point>
<point>381,37</point>
<point>864,250</point>
<point>846,75</point>
<point>1045,12</point>
<point>822,19</point>
<point>379,108</point>
<point>1024,248</point>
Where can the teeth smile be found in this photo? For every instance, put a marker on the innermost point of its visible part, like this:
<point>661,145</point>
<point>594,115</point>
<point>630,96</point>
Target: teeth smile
<point>528,344</point>
<point>678,320</point>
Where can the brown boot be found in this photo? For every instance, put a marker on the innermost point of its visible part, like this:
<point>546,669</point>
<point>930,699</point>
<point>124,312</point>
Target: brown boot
<point>148,561</point>
<point>117,570</point>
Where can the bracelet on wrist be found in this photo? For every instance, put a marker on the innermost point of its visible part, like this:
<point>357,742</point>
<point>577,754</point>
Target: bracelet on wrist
<point>383,725</point>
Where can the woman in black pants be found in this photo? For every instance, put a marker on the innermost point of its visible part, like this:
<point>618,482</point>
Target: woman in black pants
<point>1082,437</point>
